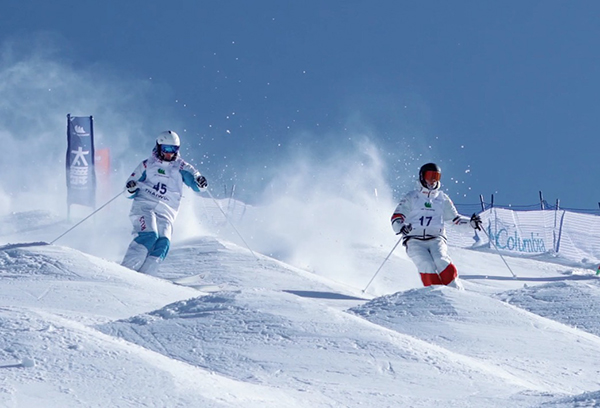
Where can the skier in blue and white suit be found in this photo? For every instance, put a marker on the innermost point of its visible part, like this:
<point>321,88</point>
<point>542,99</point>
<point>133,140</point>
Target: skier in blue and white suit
<point>420,217</point>
<point>156,186</point>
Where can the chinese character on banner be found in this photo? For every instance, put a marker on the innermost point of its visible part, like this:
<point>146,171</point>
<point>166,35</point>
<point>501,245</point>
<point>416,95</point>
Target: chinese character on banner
<point>81,176</point>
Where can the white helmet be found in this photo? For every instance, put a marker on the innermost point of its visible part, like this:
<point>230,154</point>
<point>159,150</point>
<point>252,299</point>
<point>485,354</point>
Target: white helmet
<point>168,137</point>
<point>167,142</point>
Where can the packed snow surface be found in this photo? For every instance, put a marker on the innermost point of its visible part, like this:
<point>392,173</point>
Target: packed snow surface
<point>224,326</point>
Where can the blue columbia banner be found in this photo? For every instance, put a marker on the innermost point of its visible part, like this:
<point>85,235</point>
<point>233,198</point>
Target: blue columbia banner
<point>81,177</point>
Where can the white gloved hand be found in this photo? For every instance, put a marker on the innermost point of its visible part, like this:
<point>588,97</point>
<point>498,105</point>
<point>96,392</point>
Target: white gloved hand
<point>406,229</point>
<point>132,187</point>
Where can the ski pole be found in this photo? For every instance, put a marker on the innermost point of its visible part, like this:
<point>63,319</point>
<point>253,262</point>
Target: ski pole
<point>383,263</point>
<point>74,226</point>
<point>232,226</point>
<point>499,253</point>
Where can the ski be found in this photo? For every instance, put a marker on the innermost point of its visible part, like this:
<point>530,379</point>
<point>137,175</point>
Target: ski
<point>196,282</point>
<point>185,280</point>
<point>202,287</point>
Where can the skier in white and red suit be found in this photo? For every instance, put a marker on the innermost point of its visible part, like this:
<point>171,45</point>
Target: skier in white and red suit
<point>420,217</point>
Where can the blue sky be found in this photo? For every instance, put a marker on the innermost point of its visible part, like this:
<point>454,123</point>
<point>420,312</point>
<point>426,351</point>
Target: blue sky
<point>503,95</point>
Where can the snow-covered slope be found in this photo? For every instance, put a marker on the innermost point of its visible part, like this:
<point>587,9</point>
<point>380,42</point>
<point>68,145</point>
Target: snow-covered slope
<point>77,330</point>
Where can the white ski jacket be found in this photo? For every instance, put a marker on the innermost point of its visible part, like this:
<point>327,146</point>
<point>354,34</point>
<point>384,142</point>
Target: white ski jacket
<point>426,210</point>
<point>161,183</point>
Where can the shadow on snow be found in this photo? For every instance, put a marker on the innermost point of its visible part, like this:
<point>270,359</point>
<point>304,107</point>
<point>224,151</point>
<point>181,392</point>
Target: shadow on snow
<point>322,295</point>
<point>530,279</point>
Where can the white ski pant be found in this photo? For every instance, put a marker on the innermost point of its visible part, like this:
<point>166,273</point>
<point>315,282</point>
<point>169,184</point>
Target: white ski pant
<point>432,260</point>
<point>153,231</point>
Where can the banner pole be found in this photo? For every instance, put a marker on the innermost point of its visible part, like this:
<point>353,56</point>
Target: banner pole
<point>68,167</point>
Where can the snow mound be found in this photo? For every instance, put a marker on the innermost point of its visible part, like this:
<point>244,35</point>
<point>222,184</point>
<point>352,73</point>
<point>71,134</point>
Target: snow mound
<point>272,337</point>
<point>482,327</point>
<point>78,330</point>
<point>76,352</point>
<point>573,303</point>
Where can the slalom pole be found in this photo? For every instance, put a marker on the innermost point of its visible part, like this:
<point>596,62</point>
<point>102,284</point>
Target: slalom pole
<point>232,226</point>
<point>499,253</point>
<point>383,263</point>
<point>80,222</point>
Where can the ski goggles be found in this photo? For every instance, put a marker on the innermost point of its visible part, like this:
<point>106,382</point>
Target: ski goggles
<point>169,148</point>
<point>432,176</point>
